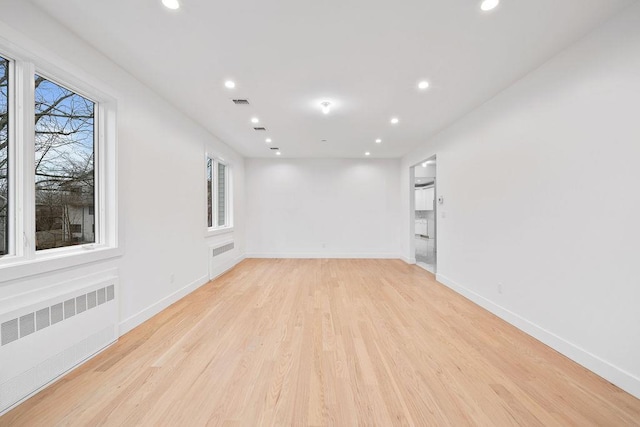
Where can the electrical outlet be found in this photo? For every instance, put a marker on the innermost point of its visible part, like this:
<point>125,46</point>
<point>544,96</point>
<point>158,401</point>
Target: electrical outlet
<point>172,278</point>
<point>500,287</point>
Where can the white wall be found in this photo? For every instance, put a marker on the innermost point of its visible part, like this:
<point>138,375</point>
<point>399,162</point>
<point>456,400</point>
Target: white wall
<point>323,208</point>
<point>524,207</point>
<point>161,155</point>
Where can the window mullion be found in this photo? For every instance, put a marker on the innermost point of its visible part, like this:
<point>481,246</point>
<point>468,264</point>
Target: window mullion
<point>25,182</point>
<point>12,107</point>
<point>227,195</point>
<point>214,190</point>
<point>99,195</point>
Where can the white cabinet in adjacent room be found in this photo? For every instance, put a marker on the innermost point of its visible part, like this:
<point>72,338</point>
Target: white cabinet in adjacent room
<point>420,199</point>
<point>429,195</point>
<point>424,199</point>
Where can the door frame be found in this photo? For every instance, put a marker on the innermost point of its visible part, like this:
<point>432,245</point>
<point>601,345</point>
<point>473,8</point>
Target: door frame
<point>412,213</point>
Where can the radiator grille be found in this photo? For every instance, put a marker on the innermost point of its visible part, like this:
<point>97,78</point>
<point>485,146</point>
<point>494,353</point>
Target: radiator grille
<point>42,318</point>
<point>56,313</point>
<point>222,249</point>
<point>27,324</point>
<point>9,331</point>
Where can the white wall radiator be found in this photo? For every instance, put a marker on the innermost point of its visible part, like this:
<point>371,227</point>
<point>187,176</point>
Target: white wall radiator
<point>221,258</point>
<point>39,342</point>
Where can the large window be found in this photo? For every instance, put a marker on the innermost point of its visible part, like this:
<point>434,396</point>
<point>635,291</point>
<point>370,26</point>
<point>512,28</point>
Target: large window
<point>57,157</point>
<point>218,194</point>
<point>64,166</point>
<point>4,156</point>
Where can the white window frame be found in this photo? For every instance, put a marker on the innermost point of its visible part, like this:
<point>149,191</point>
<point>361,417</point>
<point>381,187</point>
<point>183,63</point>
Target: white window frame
<point>23,260</point>
<point>228,227</point>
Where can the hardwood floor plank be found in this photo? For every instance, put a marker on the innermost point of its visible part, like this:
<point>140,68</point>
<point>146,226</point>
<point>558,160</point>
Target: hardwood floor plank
<point>327,342</point>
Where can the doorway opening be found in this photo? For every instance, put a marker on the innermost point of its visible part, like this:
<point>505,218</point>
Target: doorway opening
<point>425,231</point>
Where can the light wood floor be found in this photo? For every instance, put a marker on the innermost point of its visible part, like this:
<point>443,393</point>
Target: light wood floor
<point>327,342</point>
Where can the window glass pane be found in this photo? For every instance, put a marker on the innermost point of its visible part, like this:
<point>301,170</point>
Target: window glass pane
<point>4,156</point>
<point>209,193</point>
<point>222,194</point>
<point>64,166</point>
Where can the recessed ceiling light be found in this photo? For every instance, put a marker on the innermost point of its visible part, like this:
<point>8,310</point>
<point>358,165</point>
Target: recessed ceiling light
<point>255,120</point>
<point>424,165</point>
<point>394,120</point>
<point>229,84</point>
<point>378,141</point>
<point>488,5</point>
<point>367,153</point>
<point>268,140</point>
<point>326,107</point>
<point>423,85</point>
<point>171,4</point>
<point>278,153</point>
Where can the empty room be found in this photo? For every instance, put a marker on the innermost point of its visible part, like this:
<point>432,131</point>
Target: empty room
<point>297,213</point>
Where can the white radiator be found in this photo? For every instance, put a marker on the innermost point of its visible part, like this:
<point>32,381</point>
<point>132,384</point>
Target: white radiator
<point>41,341</point>
<point>221,258</point>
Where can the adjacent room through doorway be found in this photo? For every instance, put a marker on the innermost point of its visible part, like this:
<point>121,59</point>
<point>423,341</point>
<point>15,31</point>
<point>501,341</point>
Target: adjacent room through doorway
<point>425,214</point>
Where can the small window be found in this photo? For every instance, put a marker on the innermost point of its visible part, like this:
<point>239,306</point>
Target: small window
<point>221,199</point>
<point>218,194</point>
<point>64,164</point>
<point>209,193</point>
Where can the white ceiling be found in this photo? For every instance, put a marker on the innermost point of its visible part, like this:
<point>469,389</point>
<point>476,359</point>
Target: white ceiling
<point>366,56</point>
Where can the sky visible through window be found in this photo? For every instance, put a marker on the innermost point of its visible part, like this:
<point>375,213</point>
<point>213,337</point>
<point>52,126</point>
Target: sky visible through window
<point>64,166</point>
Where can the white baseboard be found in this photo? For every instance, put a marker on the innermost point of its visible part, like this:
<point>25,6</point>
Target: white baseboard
<point>425,267</point>
<point>146,314</point>
<point>30,395</point>
<point>326,255</point>
<point>408,260</point>
<point>228,265</point>
<point>606,370</point>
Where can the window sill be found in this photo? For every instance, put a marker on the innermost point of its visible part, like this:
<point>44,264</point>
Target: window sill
<point>218,231</point>
<point>20,269</point>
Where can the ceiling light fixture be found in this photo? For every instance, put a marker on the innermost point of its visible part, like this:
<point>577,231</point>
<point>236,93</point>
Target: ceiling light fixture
<point>326,107</point>
<point>378,141</point>
<point>488,5</point>
<point>424,165</point>
<point>171,4</point>
<point>278,153</point>
<point>394,121</point>
<point>268,140</point>
<point>367,153</point>
<point>423,85</point>
<point>229,84</point>
<point>255,120</point>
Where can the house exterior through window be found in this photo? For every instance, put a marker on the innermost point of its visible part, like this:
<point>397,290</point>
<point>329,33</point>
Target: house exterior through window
<point>57,166</point>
